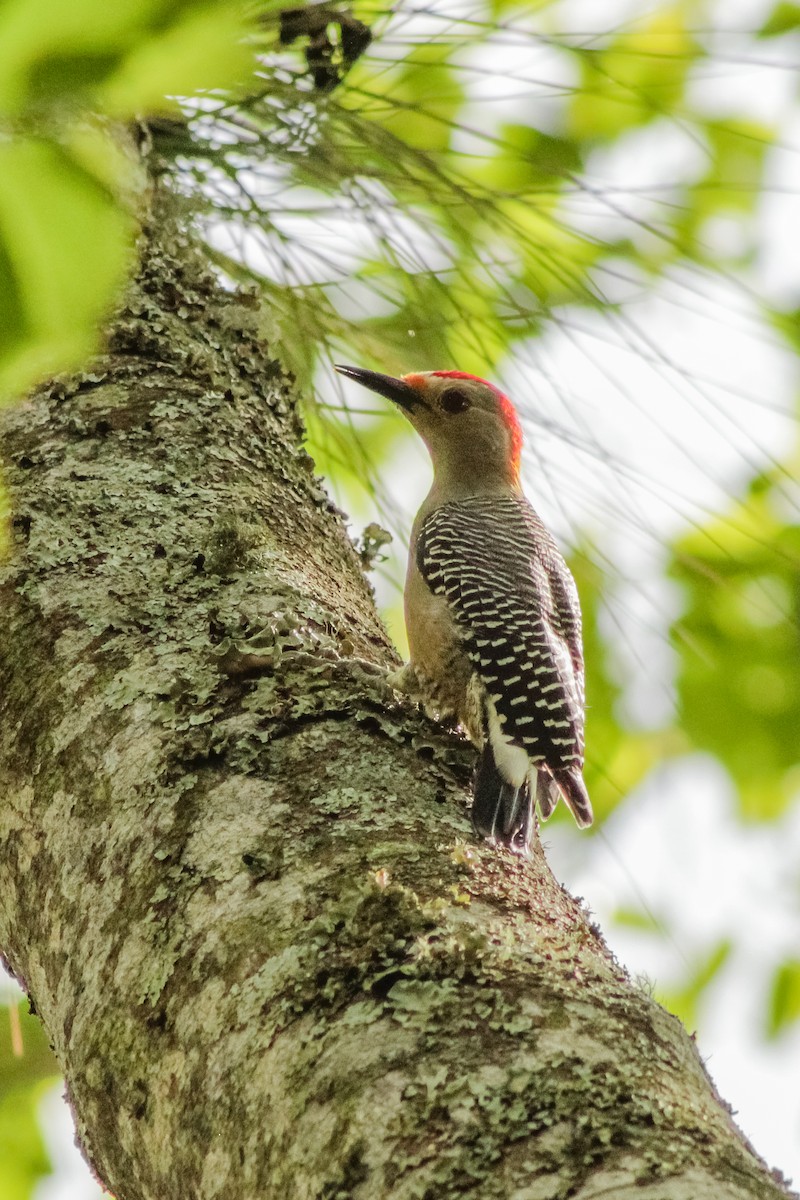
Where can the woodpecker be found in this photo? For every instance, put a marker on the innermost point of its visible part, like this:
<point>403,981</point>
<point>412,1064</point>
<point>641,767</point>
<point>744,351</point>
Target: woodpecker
<point>492,612</point>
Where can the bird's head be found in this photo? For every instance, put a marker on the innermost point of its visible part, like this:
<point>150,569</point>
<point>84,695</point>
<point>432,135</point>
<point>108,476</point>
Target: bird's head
<point>469,426</point>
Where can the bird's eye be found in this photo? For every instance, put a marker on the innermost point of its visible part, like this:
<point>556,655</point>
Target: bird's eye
<point>454,400</point>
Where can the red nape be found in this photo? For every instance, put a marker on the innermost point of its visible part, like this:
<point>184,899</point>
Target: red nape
<point>506,408</point>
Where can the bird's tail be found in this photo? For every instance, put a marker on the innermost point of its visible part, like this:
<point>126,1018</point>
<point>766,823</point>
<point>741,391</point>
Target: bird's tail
<point>501,811</point>
<point>569,783</point>
<point>547,793</point>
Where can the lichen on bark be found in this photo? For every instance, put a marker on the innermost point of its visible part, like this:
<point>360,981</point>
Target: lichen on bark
<point>239,882</point>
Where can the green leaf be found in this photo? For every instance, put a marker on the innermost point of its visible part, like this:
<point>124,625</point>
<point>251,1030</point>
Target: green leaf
<point>499,8</point>
<point>634,918</point>
<point>416,100</point>
<point>352,450</point>
<point>784,1001</point>
<point>783,18</point>
<point>63,254</point>
<point>64,237</point>
<point>738,150</point>
<point>731,187</point>
<point>638,77</point>
<point>554,260</point>
<point>739,642</point>
<point>206,49</point>
<point>527,158</point>
<point>37,1061</point>
<point>61,74</point>
<point>127,55</point>
<point>23,1159</point>
<point>684,1002</point>
<point>617,758</point>
<point>38,36</point>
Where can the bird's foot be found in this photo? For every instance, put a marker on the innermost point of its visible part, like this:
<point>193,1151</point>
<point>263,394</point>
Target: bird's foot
<point>406,680</point>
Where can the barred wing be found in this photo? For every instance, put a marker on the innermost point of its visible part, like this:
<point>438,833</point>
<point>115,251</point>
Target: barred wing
<point>515,603</point>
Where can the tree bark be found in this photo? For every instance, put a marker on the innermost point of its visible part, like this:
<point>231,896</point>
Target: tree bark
<point>238,878</point>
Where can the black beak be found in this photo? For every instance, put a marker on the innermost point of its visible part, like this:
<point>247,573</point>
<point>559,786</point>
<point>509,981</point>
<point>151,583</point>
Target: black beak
<point>397,390</point>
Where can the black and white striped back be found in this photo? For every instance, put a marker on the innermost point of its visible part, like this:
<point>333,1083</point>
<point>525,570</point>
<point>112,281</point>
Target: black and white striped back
<point>515,605</point>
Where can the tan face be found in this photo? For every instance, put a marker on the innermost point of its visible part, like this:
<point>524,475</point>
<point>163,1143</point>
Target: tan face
<point>462,418</point>
<point>470,428</point>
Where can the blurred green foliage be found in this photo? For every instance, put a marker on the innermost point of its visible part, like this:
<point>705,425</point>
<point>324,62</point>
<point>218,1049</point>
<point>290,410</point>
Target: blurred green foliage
<point>783,18</point>
<point>120,58</point>
<point>637,76</point>
<point>66,192</point>
<point>64,249</point>
<point>784,1002</point>
<point>684,1001</point>
<point>618,758</point>
<point>23,1159</point>
<point>739,673</point>
<point>23,1080</point>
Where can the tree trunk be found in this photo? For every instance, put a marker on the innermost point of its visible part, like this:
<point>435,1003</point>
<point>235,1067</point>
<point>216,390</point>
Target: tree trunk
<point>237,875</point>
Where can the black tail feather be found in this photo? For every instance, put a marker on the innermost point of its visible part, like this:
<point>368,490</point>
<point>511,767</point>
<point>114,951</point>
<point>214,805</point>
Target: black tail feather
<point>547,794</point>
<point>573,790</point>
<point>500,811</point>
